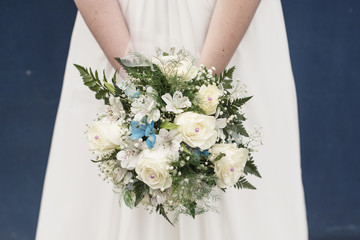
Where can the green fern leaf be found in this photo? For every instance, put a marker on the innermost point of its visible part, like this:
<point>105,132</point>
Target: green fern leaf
<point>161,210</point>
<point>241,101</point>
<point>251,168</point>
<point>244,184</point>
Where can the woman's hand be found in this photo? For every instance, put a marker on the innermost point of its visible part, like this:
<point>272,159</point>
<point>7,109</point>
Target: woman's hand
<point>105,20</point>
<point>229,22</point>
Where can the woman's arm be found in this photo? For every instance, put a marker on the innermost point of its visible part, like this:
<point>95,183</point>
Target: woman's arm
<point>106,22</point>
<point>228,25</point>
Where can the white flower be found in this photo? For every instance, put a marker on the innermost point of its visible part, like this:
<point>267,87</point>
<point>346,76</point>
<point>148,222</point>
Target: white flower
<point>175,103</point>
<point>164,60</point>
<point>111,170</point>
<point>209,98</point>
<point>127,178</point>
<point>229,168</point>
<point>129,157</point>
<point>220,124</point>
<point>104,135</point>
<point>116,107</point>
<point>158,197</point>
<point>145,106</point>
<point>197,130</point>
<point>187,69</point>
<point>169,141</point>
<point>173,65</point>
<point>152,168</point>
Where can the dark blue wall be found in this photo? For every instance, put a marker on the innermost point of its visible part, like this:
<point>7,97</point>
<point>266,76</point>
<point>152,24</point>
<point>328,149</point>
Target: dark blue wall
<point>324,39</point>
<point>34,40</point>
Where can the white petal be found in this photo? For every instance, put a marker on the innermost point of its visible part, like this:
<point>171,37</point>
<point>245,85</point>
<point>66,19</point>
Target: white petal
<point>220,123</point>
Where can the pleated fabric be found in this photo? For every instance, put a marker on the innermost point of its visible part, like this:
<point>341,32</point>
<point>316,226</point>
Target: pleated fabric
<point>77,204</point>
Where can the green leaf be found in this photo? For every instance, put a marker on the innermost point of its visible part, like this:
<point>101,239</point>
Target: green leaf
<point>168,125</point>
<point>227,86</point>
<point>218,157</point>
<point>104,76</point>
<point>128,199</point>
<point>240,117</point>
<point>241,129</point>
<point>185,148</point>
<point>251,168</point>
<point>161,210</point>
<point>244,184</point>
<point>191,206</point>
<point>90,83</point>
<point>95,88</point>
<point>114,79</point>
<point>241,101</point>
<point>141,189</point>
<point>110,87</point>
<point>229,73</point>
<point>174,188</point>
<point>100,94</point>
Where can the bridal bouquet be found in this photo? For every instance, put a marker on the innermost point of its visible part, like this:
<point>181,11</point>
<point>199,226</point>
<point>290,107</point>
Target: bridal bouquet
<point>172,134</point>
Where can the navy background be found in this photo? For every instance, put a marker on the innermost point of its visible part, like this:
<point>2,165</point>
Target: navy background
<point>324,39</point>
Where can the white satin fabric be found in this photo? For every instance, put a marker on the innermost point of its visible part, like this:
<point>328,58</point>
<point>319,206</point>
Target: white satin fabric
<point>77,204</point>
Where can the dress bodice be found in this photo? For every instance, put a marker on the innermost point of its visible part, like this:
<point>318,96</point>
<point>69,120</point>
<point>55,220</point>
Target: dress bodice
<point>166,24</point>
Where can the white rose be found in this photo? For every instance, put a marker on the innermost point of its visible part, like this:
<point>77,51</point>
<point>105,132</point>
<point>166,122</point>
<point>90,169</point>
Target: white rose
<point>172,65</point>
<point>187,70</point>
<point>152,168</point>
<point>163,60</point>
<point>104,135</point>
<point>197,130</point>
<point>229,168</point>
<point>209,98</point>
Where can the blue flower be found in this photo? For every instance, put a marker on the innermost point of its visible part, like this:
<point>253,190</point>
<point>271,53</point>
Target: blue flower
<point>130,91</point>
<point>197,152</point>
<point>143,129</point>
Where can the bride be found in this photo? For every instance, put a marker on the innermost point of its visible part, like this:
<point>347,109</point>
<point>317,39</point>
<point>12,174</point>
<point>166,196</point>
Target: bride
<point>77,204</point>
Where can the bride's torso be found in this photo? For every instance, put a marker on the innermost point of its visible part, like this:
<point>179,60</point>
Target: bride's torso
<point>167,23</point>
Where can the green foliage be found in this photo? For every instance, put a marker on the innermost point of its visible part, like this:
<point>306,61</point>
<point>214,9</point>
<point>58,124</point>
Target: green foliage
<point>137,69</point>
<point>102,88</point>
<point>240,101</point>
<point>92,81</point>
<point>218,157</point>
<point>140,189</point>
<point>108,157</point>
<point>110,87</point>
<point>191,207</point>
<point>168,125</point>
<point>251,168</point>
<point>226,77</point>
<point>160,209</point>
<point>244,184</point>
<point>194,184</point>
<point>241,129</point>
<point>128,199</point>
<point>232,108</point>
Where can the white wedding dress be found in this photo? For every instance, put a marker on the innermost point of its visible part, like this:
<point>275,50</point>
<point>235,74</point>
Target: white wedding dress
<point>78,205</point>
